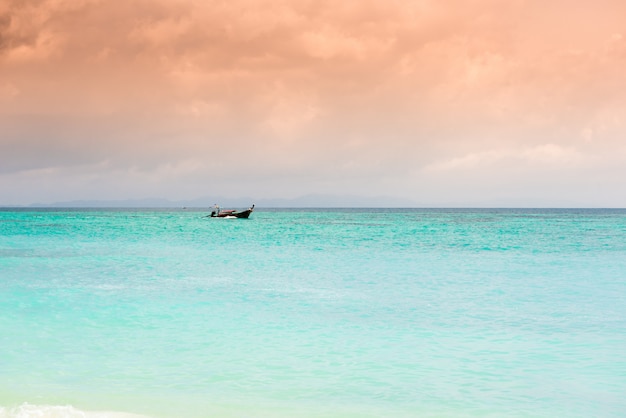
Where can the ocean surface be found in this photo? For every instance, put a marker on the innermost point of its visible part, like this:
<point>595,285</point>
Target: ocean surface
<point>313,313</point>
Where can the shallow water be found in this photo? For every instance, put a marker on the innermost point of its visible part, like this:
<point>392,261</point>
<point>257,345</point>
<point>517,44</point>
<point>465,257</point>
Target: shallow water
<point>314,313</point>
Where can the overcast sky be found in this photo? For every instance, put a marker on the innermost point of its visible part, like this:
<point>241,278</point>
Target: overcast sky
<point>449,103</point>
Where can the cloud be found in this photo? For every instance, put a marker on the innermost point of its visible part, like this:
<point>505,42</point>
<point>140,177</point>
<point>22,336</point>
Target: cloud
<point>360,90</point>
<point>469,161</point>
<point>8,91</point>
<point>553,154</point>
<point>547,155</point>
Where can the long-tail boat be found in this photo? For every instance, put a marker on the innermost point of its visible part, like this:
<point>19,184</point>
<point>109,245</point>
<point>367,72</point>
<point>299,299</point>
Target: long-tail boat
<point>231,213</point>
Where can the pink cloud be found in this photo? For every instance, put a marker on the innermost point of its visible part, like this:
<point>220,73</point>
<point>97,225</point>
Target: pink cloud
<point>352,86</point>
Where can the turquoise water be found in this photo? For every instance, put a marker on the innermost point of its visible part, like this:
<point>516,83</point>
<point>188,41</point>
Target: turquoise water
<point>313,313</point>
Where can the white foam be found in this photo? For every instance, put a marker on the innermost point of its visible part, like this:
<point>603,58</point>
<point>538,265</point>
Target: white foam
<point>59,411</point>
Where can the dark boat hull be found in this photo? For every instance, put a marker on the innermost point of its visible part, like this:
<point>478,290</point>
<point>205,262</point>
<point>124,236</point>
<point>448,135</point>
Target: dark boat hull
<point>244,214</point>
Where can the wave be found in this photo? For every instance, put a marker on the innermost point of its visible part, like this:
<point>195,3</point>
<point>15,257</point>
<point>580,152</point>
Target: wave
<point>27,410</point>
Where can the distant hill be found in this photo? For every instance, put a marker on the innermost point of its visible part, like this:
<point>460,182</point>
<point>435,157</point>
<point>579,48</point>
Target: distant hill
<point>308,201</point>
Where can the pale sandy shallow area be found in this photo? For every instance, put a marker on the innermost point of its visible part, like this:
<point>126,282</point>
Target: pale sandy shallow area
<point>59,411</point>
<point>27,410</point>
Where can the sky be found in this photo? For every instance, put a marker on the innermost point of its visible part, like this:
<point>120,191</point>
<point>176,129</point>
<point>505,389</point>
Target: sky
<point>444,103</point>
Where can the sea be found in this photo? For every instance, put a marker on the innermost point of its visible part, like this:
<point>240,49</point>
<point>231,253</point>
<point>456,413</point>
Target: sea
<point>307,313</point>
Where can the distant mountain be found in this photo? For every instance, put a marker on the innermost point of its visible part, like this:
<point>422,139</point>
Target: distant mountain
<point>127,203</point>
<point>338,201</point>
<point>308,201</point>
